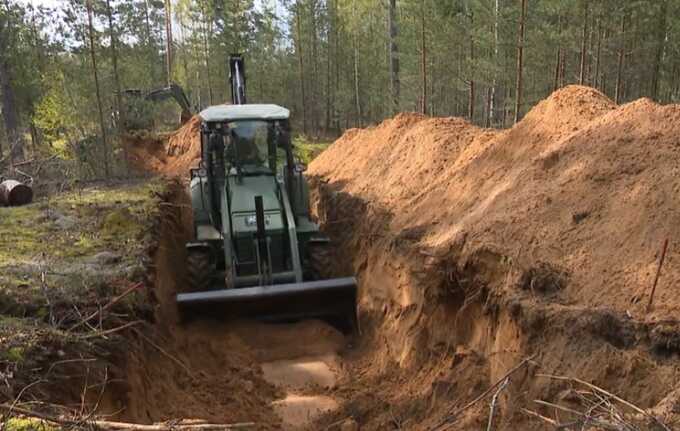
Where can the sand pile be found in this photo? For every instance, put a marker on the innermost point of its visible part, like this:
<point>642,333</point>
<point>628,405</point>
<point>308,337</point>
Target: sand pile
<point>476,249</point>
<point>580,184</point>
<point>172,155</point>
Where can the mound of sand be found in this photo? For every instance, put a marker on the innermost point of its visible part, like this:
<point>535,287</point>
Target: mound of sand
<point>579,183</point>
<point>477,248</point>
<point>172,155</point>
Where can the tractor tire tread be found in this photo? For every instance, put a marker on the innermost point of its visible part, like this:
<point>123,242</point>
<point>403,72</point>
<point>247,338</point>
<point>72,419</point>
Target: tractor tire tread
<point>199,271</point>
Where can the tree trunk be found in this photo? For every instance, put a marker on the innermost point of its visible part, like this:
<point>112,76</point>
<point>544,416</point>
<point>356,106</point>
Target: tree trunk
<point>315,66</point>
<point>471,95</point>
<point>329,44</point>
<point>207,33</point>
<point>298,49</point>
<point>356,83</point>
<point>102,125</point>
<point>622,54</point>
<point>423,59</point>
<point>558,60</point>
<point>10,110</point>
<point>660,47</point>
<point>150,56</point>
<point>114,61</point>
<point>393,32</point>
<point>10,114</point>
<point>584,36</point>
<point>520,60</point>
<point>599,53</point>
<point>336,50</point>
<point>487,113</point>
<point>563,68</point>
<point>168,42</point>
<point>494,83</point>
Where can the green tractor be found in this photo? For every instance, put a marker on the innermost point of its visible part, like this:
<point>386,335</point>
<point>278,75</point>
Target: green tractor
<point>253,255</point>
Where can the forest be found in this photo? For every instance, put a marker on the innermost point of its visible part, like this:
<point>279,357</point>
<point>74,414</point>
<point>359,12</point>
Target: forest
<point>472,226</point>
<point>67,67</point>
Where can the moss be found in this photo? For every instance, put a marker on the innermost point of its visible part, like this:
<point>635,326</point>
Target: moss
<point>119,223</point>
<point>25,424</point>
<point>60,235</point>
<point>14,354</point>
<point>27,232</point>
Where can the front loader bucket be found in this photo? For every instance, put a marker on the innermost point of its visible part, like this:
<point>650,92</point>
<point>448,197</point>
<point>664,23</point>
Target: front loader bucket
<point>333,300</point>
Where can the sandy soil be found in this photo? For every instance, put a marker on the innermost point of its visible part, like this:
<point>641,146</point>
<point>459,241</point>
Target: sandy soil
<point>476,250</point>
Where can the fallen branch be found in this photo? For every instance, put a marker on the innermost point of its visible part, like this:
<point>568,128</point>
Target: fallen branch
<point>607,393</point>
<point>558,407</point>
<point>494,399</point>
<point>112,425</point>
<point>168,355</point>
<point>541,417</point>
<point>110,304</point>
<point>25,162</point>
<point>109,425</point>
<point>452,416</point>
<point>111,331</point>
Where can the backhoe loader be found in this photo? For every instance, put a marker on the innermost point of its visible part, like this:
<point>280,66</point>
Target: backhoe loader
<point>254,245</point>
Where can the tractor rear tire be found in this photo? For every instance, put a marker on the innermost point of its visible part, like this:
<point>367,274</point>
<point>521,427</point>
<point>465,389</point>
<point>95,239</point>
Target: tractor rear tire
<point>200,270</point>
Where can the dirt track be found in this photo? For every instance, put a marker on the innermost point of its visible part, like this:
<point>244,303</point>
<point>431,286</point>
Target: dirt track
<point>476,250</point>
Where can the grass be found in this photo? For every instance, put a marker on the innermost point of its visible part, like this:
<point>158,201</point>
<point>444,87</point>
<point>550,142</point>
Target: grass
<point>52,273</point>
<point>52,244</point>
<point>306,149</point>
<point>26,424</point>
<point>74,224</point>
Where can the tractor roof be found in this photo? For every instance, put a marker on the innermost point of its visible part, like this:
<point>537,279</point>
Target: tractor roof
<point>244,112</point>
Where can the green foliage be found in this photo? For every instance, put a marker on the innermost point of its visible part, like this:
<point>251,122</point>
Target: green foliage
<point>327,60</point>
<point>14,354</point>
<point>27,424</point>
<point>306,150</point>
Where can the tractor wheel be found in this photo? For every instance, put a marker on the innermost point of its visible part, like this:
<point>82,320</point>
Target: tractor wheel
<point>320,261</point>
<point>199,270</point>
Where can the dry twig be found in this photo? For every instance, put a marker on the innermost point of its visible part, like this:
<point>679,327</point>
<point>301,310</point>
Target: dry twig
<point>110,304</point>
<point>492,408</point>
<point>168,355</point>
<point>601,412</point>
<point>111,331</point>
<point>451,417</point>
<point>608,394</point>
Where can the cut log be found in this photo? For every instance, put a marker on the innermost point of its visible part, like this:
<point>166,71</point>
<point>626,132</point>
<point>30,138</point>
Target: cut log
<point>14,193</point>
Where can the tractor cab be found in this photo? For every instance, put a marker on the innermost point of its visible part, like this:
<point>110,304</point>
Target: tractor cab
<point>255,138</point>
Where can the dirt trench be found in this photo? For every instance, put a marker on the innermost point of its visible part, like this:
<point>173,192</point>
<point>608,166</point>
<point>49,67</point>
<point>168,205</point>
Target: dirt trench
<point>473,261</point>
<point>275,376</point>
<point>440,329</point>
